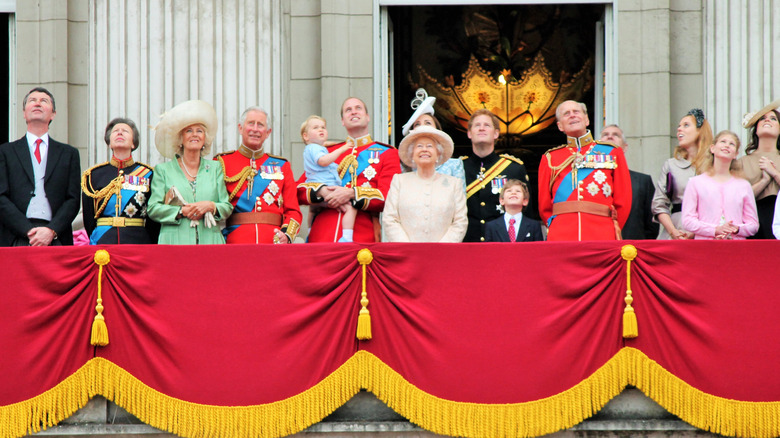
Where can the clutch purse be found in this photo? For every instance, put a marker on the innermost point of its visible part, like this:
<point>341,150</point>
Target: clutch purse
<point>174,197</point>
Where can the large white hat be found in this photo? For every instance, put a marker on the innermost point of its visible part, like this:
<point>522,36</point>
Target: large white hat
<point>167,136</point>
<point>422,104</point>
<point>750,119</point>
<point>441,137</point>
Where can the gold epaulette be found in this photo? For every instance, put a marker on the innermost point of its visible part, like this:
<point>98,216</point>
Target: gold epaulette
<point>144,165</point>
<point>512,158</point>
<point>278,157</point>
<point>464,157</point>
<point>385,144</point>
<point>556,148</point>
<point>88,172</point>
<point>224,153</point>
<point>607,143</point>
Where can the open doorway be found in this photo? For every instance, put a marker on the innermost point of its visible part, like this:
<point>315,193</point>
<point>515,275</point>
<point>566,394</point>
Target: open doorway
<point>519,61</point>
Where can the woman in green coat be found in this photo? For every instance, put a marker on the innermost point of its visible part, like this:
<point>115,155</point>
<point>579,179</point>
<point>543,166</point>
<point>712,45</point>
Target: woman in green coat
<point>188,192</point>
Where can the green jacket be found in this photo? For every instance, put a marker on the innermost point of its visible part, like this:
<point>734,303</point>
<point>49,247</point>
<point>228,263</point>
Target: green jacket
<point>210,187</point>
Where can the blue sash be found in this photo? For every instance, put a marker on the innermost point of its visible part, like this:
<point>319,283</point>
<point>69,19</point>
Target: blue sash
<point>362,161</point>
<point>100,230</point>
<point>246,203</point>
<point>565,190</point>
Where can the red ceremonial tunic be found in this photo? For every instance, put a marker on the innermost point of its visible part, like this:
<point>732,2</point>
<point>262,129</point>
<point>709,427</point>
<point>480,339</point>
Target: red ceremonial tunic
<point>374,167</point>
<point>263,185</point>
<point>595,176</point>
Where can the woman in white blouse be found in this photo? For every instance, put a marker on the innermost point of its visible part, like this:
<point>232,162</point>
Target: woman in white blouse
<point>423,205</point>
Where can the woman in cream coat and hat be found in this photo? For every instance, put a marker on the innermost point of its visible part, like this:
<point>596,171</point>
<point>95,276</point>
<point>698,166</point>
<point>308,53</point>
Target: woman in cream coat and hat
<point>188,192</point>
<point>424,205</point>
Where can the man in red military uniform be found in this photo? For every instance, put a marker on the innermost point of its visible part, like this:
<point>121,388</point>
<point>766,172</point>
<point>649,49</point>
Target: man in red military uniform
<point>584,185</point>
<point>366,172</point>
<point>261,187</point>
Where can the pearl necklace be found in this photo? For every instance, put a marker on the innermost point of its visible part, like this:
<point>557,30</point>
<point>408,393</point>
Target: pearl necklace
<point>184,166</point>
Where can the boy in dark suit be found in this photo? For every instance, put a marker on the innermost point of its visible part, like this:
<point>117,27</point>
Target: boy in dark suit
<point>513,226</point>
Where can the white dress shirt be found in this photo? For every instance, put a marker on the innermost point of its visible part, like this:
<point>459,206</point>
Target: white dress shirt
<point>39,207</point>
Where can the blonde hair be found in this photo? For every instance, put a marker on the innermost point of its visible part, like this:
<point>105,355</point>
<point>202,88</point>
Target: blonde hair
<point>305,124</point>
<point>704,141</point>
<point>708,161</point>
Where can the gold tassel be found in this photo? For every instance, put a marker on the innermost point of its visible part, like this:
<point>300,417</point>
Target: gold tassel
<point>99,336</point>
<point>630,328</point>
<point>364,318</point>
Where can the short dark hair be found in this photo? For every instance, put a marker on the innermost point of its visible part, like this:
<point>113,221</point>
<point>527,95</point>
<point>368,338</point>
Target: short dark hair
<point>40,90</point>
<point>128,122</point>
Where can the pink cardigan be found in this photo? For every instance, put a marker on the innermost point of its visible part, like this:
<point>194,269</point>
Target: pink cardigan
<point>706,201</point>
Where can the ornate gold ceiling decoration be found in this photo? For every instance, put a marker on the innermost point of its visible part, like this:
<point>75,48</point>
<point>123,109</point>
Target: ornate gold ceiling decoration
<point>524,106</point>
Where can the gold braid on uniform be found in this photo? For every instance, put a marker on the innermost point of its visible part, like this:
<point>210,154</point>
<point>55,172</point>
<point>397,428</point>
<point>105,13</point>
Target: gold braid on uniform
<point>348,164</point>
<point>103,195</point>
<point>556,170</point>
<point>241,177</point>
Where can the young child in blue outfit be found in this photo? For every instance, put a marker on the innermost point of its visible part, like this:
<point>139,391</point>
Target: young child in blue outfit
<point>319,166</point>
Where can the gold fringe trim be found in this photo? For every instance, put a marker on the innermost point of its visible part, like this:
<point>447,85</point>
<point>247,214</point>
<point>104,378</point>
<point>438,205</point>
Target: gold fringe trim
<point>364,257</point>
<point>51,407</point>
<point>701,410</point>
<point>568,408</point>
<point>364,370</point>
<point>99,336</point>
<point>630,326</point>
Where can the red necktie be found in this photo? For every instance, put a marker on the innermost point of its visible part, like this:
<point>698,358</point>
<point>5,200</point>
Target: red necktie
<point>512,236</point>
<point>38,150</point>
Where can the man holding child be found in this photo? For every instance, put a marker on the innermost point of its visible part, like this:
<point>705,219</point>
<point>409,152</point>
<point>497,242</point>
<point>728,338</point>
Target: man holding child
<point>365,170</point>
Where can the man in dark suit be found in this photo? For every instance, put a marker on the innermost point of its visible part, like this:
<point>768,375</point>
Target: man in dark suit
<point>486,172</point>
<point>640,223</point>
<point>513,226</point>
<point>39,181</point>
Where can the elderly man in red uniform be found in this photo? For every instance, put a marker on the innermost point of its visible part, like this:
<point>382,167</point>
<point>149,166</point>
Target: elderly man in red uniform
<point>584,185</point>
<point>261,187</point>
<point>365,171</point>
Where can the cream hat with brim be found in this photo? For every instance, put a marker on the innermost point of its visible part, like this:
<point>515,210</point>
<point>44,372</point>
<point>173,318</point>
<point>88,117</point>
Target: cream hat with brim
<point>167,136</point>
<point>426,107</point>
<point>750,119</point>
<point>425,131</point>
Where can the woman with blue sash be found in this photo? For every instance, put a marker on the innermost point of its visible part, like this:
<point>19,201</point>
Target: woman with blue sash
<point>115,193</point>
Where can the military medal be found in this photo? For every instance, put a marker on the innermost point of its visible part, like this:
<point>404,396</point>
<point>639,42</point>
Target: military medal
<point>497,184</point>
<point>273,188</point>
<point>373,157</point>
<point>271,172</point>
<point>369,172</point>
<point>268,198</point>
<point>579,160</point>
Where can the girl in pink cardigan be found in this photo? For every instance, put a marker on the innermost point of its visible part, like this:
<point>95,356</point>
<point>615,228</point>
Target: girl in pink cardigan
<point>719,203</point>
